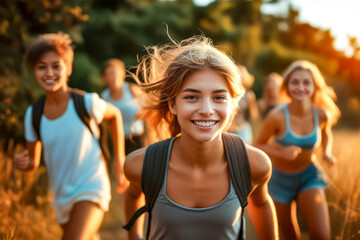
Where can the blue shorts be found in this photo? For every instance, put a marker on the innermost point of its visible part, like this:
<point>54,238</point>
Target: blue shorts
<point>284,187</point>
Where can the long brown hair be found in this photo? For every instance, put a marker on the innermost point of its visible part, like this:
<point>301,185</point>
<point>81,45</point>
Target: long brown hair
<point>164,69</point>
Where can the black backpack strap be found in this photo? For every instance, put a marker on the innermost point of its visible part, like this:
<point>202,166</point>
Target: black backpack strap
<point>239,172</point>
<point>79,102</point>
<point>152,178</point>
<point>134,217</point>
<point>37,111</point>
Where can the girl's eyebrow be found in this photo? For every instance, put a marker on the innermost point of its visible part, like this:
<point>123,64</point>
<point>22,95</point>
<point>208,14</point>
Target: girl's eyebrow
<point>198,91</point>
<point>220,91</point>
<point>191,90</point>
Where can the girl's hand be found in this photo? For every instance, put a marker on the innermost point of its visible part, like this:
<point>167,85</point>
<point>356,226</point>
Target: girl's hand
<point>21,160</point>
<point>290,152</point>
<point>329,159</point>
<point>122,182</point>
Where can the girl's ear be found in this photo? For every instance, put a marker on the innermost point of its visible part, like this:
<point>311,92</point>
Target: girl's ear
<point>171,105</point>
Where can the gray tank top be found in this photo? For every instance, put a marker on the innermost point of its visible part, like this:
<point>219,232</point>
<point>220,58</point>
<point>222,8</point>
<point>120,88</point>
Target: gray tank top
<point>173,221</point>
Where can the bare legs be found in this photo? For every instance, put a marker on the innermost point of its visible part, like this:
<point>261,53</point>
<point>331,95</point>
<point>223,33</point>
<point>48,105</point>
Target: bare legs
<point>312,204</point>
<point>288,224</point>
<point>85,220</point>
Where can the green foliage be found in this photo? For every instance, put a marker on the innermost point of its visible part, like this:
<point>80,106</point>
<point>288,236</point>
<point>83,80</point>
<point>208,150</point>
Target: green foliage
<point>85,74</point>
<point>21,20</point>
<point>123,32</point>
<point>15,95</point>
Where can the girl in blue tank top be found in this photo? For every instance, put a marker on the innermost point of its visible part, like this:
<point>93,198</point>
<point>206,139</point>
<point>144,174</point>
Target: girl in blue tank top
<point>298,128</point>
<point>193,90</point>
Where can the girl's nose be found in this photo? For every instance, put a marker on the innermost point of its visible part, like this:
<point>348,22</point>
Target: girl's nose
<point>206,107</point>
<point>49,71</point>
<point>301,86</point>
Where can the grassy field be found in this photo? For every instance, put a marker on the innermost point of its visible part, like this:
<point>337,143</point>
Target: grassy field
<point>26,211</point>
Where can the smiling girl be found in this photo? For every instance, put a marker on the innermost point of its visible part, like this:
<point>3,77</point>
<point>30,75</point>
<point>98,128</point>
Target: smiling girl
<point>193,91</point>
<point>298,128</point>
<point>72,154</point>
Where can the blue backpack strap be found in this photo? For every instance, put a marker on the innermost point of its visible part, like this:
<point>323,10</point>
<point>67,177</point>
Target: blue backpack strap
<point>152,178</point>
<point>239,172</point>
<point>37,111</point>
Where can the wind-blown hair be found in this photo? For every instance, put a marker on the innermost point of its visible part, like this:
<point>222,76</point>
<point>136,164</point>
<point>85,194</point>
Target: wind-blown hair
<point>324,96</point>
<point>162,72</point>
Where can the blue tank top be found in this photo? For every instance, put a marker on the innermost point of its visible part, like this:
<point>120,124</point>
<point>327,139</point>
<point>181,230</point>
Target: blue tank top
<point>129,108</point>
<point>303,141</point>
<point>171,220</point>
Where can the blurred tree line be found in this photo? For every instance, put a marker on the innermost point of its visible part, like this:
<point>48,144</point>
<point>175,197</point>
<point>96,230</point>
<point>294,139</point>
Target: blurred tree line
<point>103,29</point>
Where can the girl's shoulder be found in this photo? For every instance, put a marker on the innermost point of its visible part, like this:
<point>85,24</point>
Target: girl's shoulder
<point>260,164</point>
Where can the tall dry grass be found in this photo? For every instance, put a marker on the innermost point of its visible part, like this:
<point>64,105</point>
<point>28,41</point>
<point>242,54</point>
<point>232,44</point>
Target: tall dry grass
<point>25,203</point>
<point>343,190</point>
<point>26,211</point>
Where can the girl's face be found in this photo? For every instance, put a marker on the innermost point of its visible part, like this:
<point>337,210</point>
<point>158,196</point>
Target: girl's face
<point>113,77</point>
<point>203,105</point>
<point>51,72</point>
<point>301,85</point>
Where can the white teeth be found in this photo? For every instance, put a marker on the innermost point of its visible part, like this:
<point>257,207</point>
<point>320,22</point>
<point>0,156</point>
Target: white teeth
<point>205,124</point>
<point>49,80</point>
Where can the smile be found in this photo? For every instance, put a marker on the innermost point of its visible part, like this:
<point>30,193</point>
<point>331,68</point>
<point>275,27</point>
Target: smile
<point>205,123</point>
<point>49,80</point>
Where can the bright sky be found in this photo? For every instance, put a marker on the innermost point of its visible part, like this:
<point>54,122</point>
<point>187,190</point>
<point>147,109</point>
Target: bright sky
<point>342,17</point>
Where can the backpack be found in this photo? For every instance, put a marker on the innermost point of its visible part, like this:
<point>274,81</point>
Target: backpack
<point>153,173</point>
<point>79,102</point>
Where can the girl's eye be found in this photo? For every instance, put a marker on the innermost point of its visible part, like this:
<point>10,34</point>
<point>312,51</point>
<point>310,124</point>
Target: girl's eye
<point>190,97</point>
<point>220,98</point>
<point>41,67</point>
<point>56,66</point>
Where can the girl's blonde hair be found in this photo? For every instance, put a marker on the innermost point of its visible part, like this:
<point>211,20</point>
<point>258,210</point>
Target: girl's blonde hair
<point>162,72</point>
<point>324,96</point>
